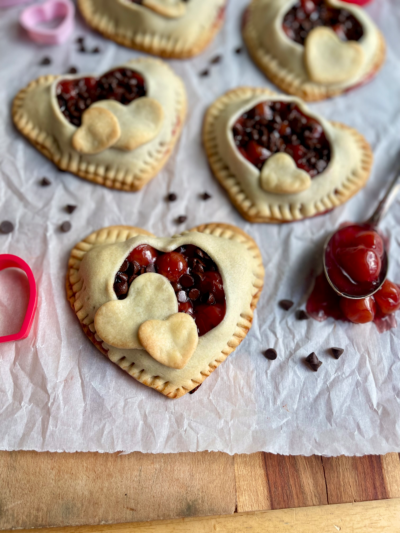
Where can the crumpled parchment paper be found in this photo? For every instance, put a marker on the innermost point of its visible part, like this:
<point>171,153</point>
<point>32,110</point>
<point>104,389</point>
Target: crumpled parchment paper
<point>58,393</point>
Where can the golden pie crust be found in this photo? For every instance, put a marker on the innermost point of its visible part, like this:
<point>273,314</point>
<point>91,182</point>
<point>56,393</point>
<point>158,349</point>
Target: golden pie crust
<point>346,174</point>
<point>137,26</point>
<point>282,60</point>
<point>37,116</point>
<point>243,282</point>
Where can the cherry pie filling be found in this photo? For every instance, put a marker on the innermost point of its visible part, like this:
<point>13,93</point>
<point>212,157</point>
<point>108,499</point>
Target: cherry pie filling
<point>271,127</point>
<point>75,96</point>
<point>355,263</point>
<point>193,275</point>
<point>306,15</point>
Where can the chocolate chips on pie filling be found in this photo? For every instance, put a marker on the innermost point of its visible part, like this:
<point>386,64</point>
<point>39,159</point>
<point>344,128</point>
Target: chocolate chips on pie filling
<point>74,96</point>
<point>272,126</point>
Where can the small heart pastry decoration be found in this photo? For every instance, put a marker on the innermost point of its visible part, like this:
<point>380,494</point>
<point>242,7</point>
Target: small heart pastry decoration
<point>328,59</point>
<point>280,175</point>
<point>99,130</point>
<point>33,16</point>
<point>171,342</point>
<point>167,8</point>
<point>151,296</point>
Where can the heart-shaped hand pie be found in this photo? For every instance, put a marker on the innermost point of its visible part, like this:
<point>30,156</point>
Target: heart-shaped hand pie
<point>166,8</point>
<point>171,342</point>
<point>329,60</point>
<point>79,122</point>
<point>280,175</point>
<point>183,304</point>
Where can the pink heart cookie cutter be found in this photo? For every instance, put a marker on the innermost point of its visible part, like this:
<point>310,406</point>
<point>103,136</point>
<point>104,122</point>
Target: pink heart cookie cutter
<point>9,3</point>
<point>33,16</point>
<point>13,261</point>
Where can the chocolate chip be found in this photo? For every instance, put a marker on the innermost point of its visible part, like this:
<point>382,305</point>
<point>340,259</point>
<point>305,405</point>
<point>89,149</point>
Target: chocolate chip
<point>70,208</point>
<point>216,59</point>
<point>195,389</point>
<point>132,278</point>
<point>125,265</point>
<point>181,297</point>
<point>205,196</point>
<point>80,40</point>
<point>204,73</point>
<point>172,197</point>
<point>186,281</point>
<point>181,219</point>
<point>45,61</point>
<point>72,70</point>
<point>45,182</point>
<point>121,276</point>
<point>194,294</point>
<point>82,48</point>
<point>65,226</point>
<point>6,227</point>
<point>337,352</point>
<point>135,266</point>
<point>286,304</point>
<point>270,354</point>
<point>176,286</point>
<point>239,50</point>
<point>301,315</point>
<point>121,288</point>
<point>96,50</point>
<point>313,362</point>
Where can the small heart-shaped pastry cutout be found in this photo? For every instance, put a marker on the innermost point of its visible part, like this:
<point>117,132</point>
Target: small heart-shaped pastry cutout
<point>167,8</point>
<point>139,122</point>
<point>99,130</point>
<point>150,296</point>
<point>280,175</point>
<point>171,342</point>
<point>328,59</point>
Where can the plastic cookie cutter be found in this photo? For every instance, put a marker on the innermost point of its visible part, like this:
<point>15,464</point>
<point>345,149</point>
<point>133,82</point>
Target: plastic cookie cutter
<point>9,3</point>
<point>358,2</point>
<point>13,261</point>
<point>33,17</point>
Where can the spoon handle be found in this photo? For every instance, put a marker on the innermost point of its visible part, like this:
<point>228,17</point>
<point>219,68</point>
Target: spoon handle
<point>385,203</point>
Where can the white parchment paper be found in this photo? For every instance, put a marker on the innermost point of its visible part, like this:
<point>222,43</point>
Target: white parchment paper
<point>58,393</point>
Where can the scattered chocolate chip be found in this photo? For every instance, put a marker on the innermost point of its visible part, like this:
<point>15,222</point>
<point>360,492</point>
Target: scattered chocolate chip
<point>216,59</point>
<point>82,48</point>
<point>65,226</point>
<point>195,389</point>
<point>172,197</point>
<point>125,265</point>
<point>80,40</point>
<point>182,297</point>
<point>45,182</point>
<point>181,219</point>
<point>96,50</point>
<point>45,61</point>
<point>6,227</point>
<point>270,354</point>
<point>239,50</point>
<point>70,208</point>
<point>205,196</point>
<point>286,304</point>
<point>337,352</point>
<point>72,70</point>
<point>313,362</point>
<point>186,281</point>
<point>204,73</point>
<point>301,315</point>
<point>194,294</point>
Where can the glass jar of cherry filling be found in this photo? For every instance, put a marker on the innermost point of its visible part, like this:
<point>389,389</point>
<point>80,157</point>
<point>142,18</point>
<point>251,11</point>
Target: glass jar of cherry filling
<point>193,275</point>
<point>74,96</point>
<point>272,126</point>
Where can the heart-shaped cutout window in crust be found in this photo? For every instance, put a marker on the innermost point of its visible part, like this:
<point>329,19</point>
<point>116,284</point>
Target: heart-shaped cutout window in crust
<point>193,275</point>
<point>306,15</point>
<point>75,96</point>
<point>272,127</point>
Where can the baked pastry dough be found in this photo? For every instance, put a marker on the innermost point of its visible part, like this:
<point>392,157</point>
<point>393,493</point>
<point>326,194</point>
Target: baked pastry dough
<point>168,28</point>
<point>277,192</point>
<point>321,67</point>
<point>177,359</point>
<point>119,144</point>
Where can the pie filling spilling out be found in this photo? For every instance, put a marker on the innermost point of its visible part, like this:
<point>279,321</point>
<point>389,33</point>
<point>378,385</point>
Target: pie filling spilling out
<point>272,127</point>
<point>75,96</point>
<point>193,275</point>
<point>306,15</point>
<point>355,264</point>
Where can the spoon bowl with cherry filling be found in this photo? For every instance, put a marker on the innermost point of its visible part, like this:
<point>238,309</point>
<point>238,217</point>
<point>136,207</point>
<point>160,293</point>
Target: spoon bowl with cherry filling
<point>355,258</point>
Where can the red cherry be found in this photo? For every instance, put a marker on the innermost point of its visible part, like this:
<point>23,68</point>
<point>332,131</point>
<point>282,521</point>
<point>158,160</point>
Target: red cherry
<point>360,263</point>
<point>208,317</point>
<point>263,110</point>
<point>388,298</point>
<point>308,6</point>
<point>256,154</point>
<point>212,282</point>
<point>186,307</point>
<point>90,83</point>
<point>370,239</point>
<point>143,254</point>
<point>359,311</point>
<point>172,265</point>
<point>297,151</point>
<point>66,86</point>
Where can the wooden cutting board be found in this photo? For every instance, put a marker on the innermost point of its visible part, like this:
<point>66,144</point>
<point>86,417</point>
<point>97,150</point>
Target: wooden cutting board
<point>50,489</point>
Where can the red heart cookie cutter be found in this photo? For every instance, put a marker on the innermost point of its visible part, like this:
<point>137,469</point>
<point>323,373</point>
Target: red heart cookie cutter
<point>13,261</point>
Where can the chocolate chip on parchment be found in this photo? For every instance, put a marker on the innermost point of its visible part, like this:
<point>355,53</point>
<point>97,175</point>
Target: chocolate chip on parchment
<point>195,389</point>
<point>337,352</point>
<point>45,182</point>
<point>313,362</point>
<point>96,50</point>
<point>80,40</point>
<point>181,219</point>
<point>45,61</point>
<point>70,208</point>
<point>204,73</point>
<point>239,50</point>
<point>216,59</point>
<point>301,315</point>
<point>172,197</point>
<point>65,226</point>
<point>205,196</point>
<point>270,354</point>
<point>72,70</point>
<point>285,304</point>
<point>6,227</point>
<point>82,48</point>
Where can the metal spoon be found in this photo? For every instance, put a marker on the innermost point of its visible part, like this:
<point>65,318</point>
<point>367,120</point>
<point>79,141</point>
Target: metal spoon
<point>373,222</point>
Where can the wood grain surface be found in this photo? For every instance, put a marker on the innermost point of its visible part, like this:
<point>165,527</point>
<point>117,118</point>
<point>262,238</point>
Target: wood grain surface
<point>54,490</point>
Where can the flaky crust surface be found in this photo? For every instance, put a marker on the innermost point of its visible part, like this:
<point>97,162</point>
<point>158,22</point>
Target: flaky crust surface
<point>120,234</point>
